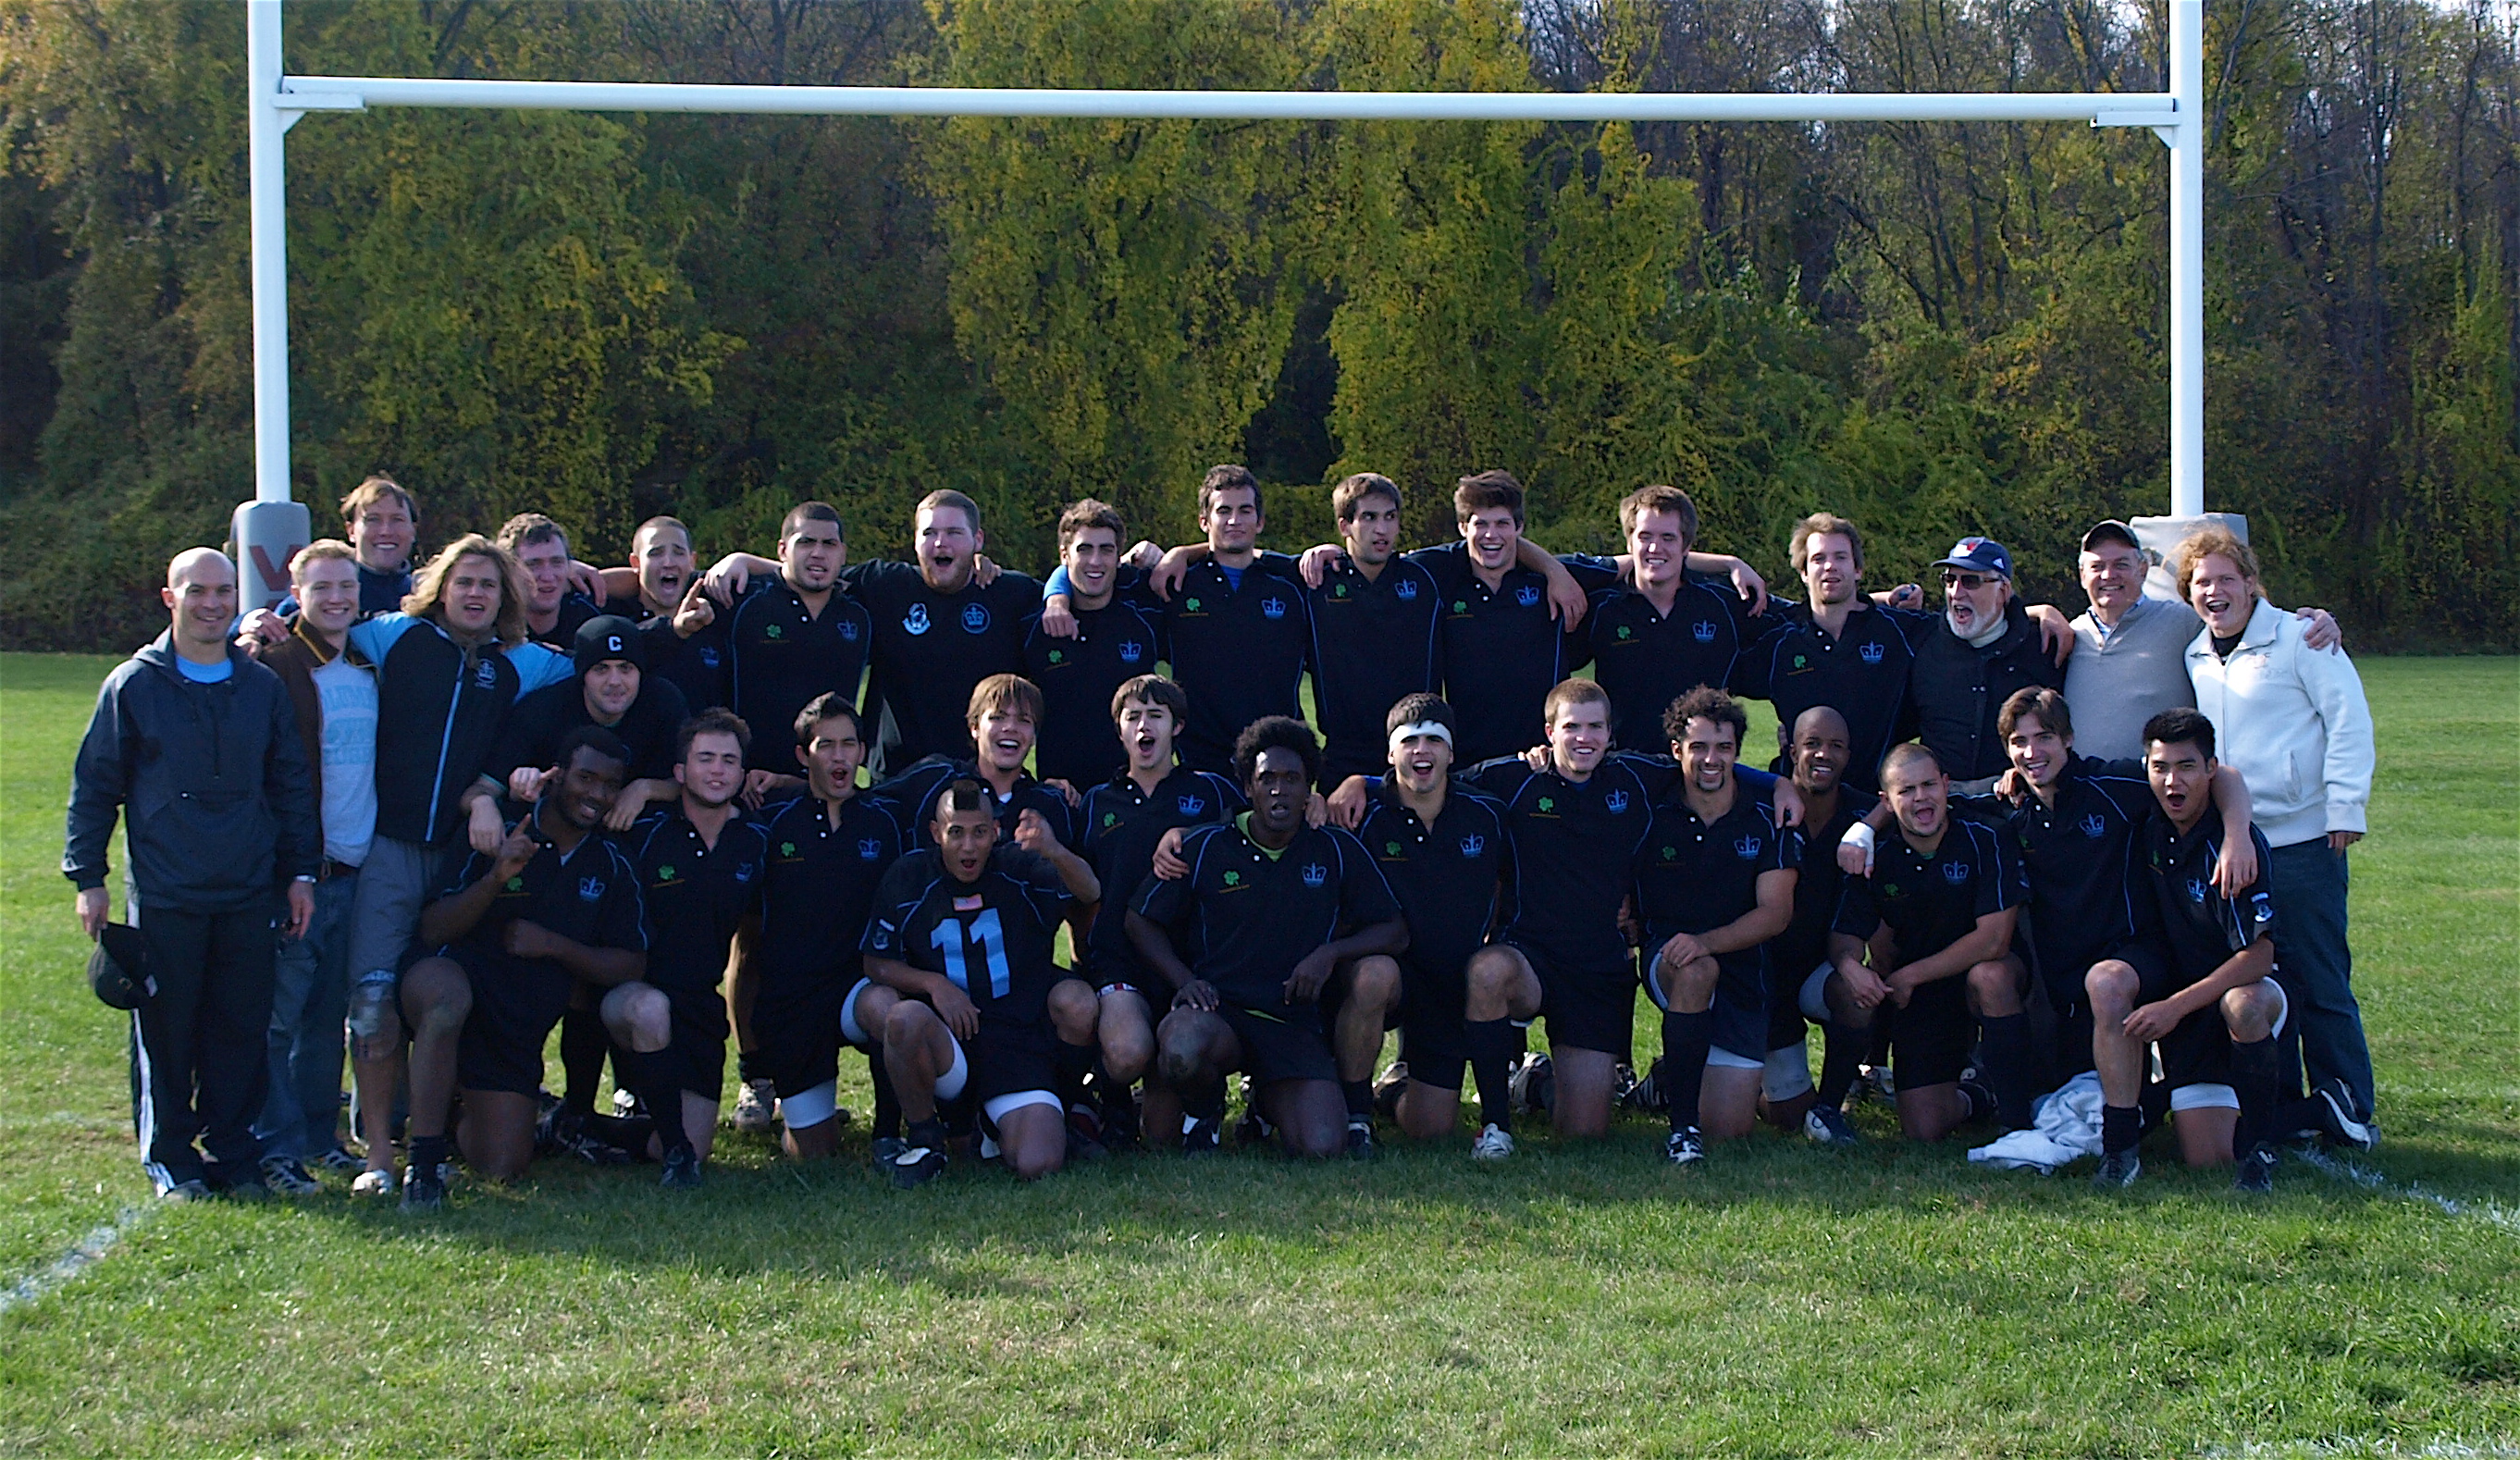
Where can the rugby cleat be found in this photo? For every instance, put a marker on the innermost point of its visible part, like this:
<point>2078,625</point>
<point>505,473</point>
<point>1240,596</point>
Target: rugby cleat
<point>1388,1090</point>
<point>916,1166</point>
<point>886,1149</point>
<point>2339,1123</point>
<point>1829,1125</point>
<point>1492,1143</point>
<point>1200,1136</point>
<point>2118,1171</point>
<point>1533,1084</point>
<point>1360,1140</point>
<point>755,1106</point>
<point>681,1169</point>
<point>1649,1094</point>
<point>2257,1172</point>
<point>423,1189</point>
<point>1686,1147</point>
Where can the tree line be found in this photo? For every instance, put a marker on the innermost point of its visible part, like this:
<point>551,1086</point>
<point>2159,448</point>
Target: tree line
<point>1931,328</point>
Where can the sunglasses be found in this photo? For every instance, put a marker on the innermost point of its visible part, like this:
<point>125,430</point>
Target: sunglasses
<point>1970,580</point>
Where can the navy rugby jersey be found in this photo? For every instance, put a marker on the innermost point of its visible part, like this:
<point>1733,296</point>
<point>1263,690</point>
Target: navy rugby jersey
<point>1862,675</point>
<point>1817,886</point>
<point>930,648</point>
<point>544,719</point>
<point>992,937</point>
<point>818,884</point>
<point>916,788</point>
<point>1501,650</point>
<point>696,895</point>
<point>779,658</point>
<point>1244,918</point>
<point>1446,876</point>
<point>1122,827</point>
<point>2076,857</point>
<point>589,897</point>
<point>1374,640</point>
<point>1931,901</point>
<point>1076,740</point>
<point>1237,651</point>
<point>2197,925</point>
<point>1696,877</point>
<point>1646,659</point>
<point>1574,849</point>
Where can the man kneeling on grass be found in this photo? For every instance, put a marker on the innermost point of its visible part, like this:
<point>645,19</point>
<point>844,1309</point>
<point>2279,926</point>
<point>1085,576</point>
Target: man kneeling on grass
<point>556,901</point>
<point>964,932</point>
<point>2199,983</point>
<point>1260,915</point>
<point>1925,942</point>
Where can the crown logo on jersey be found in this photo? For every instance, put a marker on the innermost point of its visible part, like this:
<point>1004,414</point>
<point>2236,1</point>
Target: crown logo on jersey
<point>1870,653</point>
<point>975,618</point>
<point>915,621</point>
<point>774,631</point>
<point>1131,650</point>
<point>1616,802</point>
<point>2093,827</point>
<point>1704,630</point>
<point>1747,849</point>
<point>590,889</point>
<point>708,652</point>
<point>1315,874</point>
<point>743,871</point>
<point>2196,890</point>
<point>1273,608</point>
<point>1955,873</point>
<point>848,631</point>
<point>1473,844</point>
<point>1528,595</point>
<point>868,849</point>
<point>1405,590</point>
<point>1191,806</point>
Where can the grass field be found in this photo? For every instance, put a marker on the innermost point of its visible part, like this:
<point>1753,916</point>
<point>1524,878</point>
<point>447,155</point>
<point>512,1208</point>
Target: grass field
<point>1783,1301</point>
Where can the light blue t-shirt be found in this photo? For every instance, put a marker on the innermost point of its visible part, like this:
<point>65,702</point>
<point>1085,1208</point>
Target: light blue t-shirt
<point>218,674</point>
<point>347,695</point>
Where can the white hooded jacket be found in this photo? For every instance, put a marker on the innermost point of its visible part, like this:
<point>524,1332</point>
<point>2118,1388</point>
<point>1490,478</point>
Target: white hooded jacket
<point>2293,721</point>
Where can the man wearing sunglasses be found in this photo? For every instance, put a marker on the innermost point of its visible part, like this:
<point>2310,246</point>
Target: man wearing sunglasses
<point>1986,647</point>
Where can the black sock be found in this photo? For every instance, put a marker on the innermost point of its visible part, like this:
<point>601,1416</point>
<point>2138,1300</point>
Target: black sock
<point>2121,1127</point>
<point>745,1073</point>
<point>1205,1100</point>
<point>1069,1065</point>
<point>2005,1040</point>
<point>1686,1038</point>
<point>929,1134</point>
<point>583,1040</point>
<point>656,1089</point>
<point>1493,1043</point>
<point>887,1102</point>
<point>1360,1099</point>
<point>1842,1052</point>
<point>2254,1079</point>
<point>427,1152</point>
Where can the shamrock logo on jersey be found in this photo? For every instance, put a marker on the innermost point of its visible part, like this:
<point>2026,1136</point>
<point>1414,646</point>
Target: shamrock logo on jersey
<point>1890,890</point>
<point>1547,805</point>
<point>975,618</point>
<point>1190,605</point>
<point>1339,592</point>
<point>1801,661</point>
<point>786,849</point>
<point>1460,607</point>
<point>1669,854</point>
<point>1870,653</point>
<point>915,621</point>
<point>1392,848</point>
<point>515,884</point>
<point>1703,631</point>
<point>773,631</point>
<point>1111,818</point>
<point>1315,874</point>
<point>1626,632</point>
<point>1233,878</point>
<point>1058,655</point>
<point>665,874</point>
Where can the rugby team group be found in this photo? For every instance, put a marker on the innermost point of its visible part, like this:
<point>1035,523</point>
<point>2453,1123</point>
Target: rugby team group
<point>423,812</point>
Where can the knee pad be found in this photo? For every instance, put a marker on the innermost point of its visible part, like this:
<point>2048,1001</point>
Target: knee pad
<point>810,1108</point>
<point>1786,1074</point>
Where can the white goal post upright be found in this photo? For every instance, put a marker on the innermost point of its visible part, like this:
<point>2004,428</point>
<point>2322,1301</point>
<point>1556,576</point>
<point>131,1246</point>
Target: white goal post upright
<point>278,100</point>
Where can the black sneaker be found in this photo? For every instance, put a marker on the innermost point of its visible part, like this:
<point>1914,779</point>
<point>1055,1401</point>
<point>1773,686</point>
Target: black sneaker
<point>556,1128</point>
<point>1685,1148</point>
<point>1388,1090</point>
<point>1827,1126</point>
<point>423,1188</point>
<point>1253,1129</point>
<point>1360,1140</point>
<point>1121,1121</point>
<point>2118,1171</point>
<point>1200,1137</point>
<point>288,1177</point>
<point>916,1166</point>
<point>1981,1100</point>
<point>2338,1118</point>
<point>681,1169</point>
<point>886,1149</point>
<point>2257,1172</point>
<point>340,1158</point>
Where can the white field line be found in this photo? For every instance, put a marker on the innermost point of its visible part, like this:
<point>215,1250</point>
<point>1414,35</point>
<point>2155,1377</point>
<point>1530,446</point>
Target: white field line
<point>84,1254</point>
<point>2506,1217</point>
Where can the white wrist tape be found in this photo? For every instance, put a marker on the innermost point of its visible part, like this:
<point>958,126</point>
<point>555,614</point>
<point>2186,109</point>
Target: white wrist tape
<point>1859,835</point>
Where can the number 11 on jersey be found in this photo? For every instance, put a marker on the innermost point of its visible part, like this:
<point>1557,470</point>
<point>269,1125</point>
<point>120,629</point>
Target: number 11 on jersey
<point>990,935</point>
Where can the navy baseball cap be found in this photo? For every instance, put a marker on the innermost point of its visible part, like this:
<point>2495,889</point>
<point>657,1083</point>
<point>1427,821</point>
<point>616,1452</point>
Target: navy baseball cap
<point>1979,555</point>
<point>609,636</point>
<point>117,970</point>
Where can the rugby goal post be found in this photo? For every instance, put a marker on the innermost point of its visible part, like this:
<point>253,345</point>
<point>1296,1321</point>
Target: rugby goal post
<point>271,529</point>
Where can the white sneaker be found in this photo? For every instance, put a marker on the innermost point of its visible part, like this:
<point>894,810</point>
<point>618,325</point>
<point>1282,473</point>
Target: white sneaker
<point>377,1184</point>
<point>756,1107</point>
<point>1493,1143</point>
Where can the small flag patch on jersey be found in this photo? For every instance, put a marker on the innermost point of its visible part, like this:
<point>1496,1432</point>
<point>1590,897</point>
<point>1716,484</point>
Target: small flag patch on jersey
<point>967,904</point>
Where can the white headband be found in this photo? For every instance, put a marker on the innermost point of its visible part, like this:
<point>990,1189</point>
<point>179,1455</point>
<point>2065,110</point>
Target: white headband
<point>1435,728</point>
